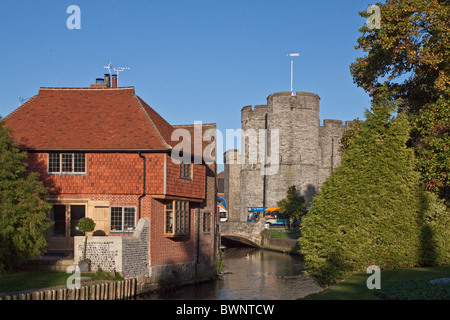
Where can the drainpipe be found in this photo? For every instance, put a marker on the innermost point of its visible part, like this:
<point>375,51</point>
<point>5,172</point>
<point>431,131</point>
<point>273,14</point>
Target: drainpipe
<point>198,236</point>
<point>265,162</point>
<point>143,187</point>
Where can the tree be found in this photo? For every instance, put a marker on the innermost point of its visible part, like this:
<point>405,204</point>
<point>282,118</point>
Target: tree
<point>372,209</point>
<point>23,208</point>
<point>293,205</point>
<point>86,225</point>
<point>408,57</point>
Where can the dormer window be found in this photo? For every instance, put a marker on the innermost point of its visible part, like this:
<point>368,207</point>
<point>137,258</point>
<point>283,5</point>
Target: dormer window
<point>66,162</point>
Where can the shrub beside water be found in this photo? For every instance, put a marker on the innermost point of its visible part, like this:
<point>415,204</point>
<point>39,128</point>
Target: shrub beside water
<point>372,210</point>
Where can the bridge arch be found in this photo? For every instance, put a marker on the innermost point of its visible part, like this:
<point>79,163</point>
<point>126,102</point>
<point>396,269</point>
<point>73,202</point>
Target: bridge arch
<point>238,239</point>
<point>248,233</point>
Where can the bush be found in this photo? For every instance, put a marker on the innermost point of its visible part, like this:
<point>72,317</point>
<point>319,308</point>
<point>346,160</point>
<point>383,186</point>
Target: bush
<point>372,210</point>
<point>86,225</point>
<point>24,222</point>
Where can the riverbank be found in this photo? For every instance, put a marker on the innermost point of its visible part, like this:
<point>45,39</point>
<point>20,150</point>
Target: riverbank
<point>401,284</point>
<point>281,240</point>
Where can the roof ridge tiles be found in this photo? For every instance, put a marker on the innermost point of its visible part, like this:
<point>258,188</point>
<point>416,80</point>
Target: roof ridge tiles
<point>152,124</point>
<point>20,107</point>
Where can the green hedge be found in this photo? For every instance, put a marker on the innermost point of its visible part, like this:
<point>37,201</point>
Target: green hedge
<point>372,210</point>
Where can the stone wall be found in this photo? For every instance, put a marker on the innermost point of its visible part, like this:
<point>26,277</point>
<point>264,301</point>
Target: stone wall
<point>232,184</point>
<point>282,245</point>
<point>127,255</point>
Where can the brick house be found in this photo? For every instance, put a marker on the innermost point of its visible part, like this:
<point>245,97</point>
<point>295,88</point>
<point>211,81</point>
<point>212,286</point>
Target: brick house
<point>104,153</point>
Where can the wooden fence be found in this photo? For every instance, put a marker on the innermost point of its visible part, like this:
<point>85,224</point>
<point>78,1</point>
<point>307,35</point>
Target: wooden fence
<point>104,290</point>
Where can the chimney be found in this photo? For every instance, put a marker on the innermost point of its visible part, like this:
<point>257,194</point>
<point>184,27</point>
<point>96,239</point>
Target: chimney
<point>107,80</point>
<point>99,84</point>
<point>114,81</point>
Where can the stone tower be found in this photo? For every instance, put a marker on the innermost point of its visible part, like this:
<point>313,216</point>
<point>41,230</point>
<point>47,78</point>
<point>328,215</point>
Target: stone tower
<point>307,152</point>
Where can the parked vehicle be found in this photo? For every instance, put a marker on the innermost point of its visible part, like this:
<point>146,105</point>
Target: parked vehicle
<point>222,212</point>
<point>272,215</point>
<point>254,213</point>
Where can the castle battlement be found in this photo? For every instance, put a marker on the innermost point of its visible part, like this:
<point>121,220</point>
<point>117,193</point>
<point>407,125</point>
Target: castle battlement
<point>260,108</point>
<point>329,123</point>
<point>285,101</point>
<point>298,94</point>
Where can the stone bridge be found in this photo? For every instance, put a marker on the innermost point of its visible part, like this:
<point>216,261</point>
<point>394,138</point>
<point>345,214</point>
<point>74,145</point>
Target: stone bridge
<point>248,233</point>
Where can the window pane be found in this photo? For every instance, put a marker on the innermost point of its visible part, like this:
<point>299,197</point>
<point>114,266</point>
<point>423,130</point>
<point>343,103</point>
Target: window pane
<point>116,218</point>
<point>185,171</point>
<point>66,162</point>
<point>169,222</point>
<point>207,222</point>
<point>58,215</point>
<point>79,162</point>
<point>76,213</point>
<point>129,219</point>
<point>53,162</point>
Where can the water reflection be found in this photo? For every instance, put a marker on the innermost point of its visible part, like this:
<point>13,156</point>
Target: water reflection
<point>250,274</point>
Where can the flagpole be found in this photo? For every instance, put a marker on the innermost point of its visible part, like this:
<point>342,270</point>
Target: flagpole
<point>292,73</point>
<point>292,55</point>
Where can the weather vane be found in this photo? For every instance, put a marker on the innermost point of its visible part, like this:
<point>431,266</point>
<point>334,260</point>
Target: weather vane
<point>116,69</point>
<point>292,55</point>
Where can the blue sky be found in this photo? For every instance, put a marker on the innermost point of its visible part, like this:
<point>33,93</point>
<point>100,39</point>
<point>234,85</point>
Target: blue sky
<point>191,60</point>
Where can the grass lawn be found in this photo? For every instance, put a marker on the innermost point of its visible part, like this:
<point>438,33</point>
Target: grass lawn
<point>355,288</point>
<point>24,280</point>
<point>284,233</point>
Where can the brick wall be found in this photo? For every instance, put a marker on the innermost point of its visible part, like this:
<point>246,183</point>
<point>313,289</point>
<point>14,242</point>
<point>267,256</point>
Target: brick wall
<point>106,173</point>
<point>194,188</point>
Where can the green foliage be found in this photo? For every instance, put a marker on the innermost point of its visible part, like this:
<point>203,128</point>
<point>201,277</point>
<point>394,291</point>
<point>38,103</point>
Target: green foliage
<point>408,58</point>
<point>431,138</point>
<point>372,210</point>
<point>103,275</point>
<point>23,207</point>
<point>349,134</point>
<point>86,225</point>
<point>293,205</point>
<point>414,290</point>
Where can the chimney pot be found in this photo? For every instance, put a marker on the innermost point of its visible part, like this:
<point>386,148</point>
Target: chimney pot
<point>114,80</point>
<point>107,80</point>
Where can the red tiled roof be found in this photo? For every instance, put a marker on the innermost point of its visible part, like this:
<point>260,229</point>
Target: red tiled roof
<point>88,118</point>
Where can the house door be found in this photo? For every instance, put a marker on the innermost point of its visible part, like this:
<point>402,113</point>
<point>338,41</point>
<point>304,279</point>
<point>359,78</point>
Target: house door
<point>76,212</point>
<point>65,217</point>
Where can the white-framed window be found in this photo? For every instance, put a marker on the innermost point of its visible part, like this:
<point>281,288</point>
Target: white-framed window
<point>177,218</point>
<point>60,162</point>
<point>123,219</point>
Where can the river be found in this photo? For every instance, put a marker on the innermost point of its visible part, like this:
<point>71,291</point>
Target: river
<point>250,274</point>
